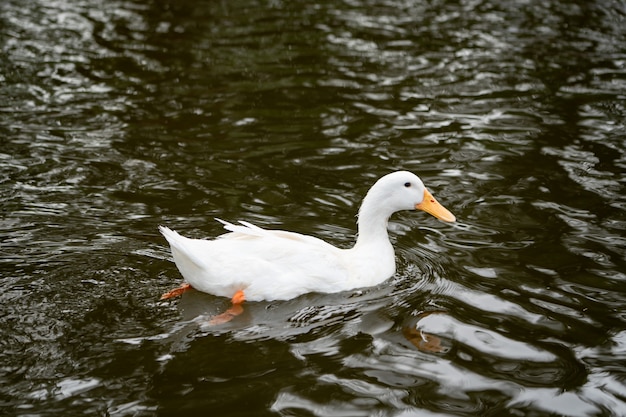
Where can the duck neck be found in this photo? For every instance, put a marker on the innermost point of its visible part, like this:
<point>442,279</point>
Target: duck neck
<point>372,226</point>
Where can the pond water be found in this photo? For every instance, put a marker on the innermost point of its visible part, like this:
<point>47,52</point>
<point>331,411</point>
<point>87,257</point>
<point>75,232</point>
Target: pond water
<point>119,116</point>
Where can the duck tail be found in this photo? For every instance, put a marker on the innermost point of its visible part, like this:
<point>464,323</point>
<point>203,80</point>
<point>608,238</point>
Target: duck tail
<point>184,253</point>
<point>169,234</point>
<point>176,241</point>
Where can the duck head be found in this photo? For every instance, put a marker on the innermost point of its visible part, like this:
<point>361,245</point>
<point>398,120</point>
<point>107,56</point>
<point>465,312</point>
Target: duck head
<point>403,190</point>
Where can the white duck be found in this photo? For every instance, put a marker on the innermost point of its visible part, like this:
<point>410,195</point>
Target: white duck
<point>255,264</point>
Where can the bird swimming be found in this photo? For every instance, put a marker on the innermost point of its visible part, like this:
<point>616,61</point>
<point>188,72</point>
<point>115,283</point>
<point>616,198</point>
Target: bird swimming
<point>255,264</point>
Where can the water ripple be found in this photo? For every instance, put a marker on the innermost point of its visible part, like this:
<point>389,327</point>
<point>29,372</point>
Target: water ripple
<point>123,117</point>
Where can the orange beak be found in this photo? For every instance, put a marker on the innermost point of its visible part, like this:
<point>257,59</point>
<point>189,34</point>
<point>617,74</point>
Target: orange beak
<point>432,206</point>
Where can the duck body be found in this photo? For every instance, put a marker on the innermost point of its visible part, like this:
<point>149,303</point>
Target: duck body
<point>280,265</point>
<point>274,264</point>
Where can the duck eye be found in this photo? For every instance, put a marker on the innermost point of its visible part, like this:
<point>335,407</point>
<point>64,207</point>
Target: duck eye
<point>407,184</point>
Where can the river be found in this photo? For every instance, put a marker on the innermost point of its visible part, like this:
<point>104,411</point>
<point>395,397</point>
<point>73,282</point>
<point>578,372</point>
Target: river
<point>120,116</point>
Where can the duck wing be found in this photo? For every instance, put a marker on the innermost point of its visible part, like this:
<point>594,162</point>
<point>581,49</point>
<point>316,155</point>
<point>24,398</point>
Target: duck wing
<point>265,264</point>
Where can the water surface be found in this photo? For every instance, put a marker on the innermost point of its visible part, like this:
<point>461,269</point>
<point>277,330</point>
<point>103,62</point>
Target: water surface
<point>120,116</point>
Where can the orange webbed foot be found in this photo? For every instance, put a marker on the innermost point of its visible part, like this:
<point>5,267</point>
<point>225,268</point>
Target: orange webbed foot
<point>425,342</point>
<point>238,298</point>
<point>235,310</point>
<point>176,291</point>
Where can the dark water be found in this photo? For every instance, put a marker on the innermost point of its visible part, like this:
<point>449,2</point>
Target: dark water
<point>119,116</point>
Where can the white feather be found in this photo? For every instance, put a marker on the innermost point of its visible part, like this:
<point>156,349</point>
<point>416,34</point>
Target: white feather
<point>279,265</point>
